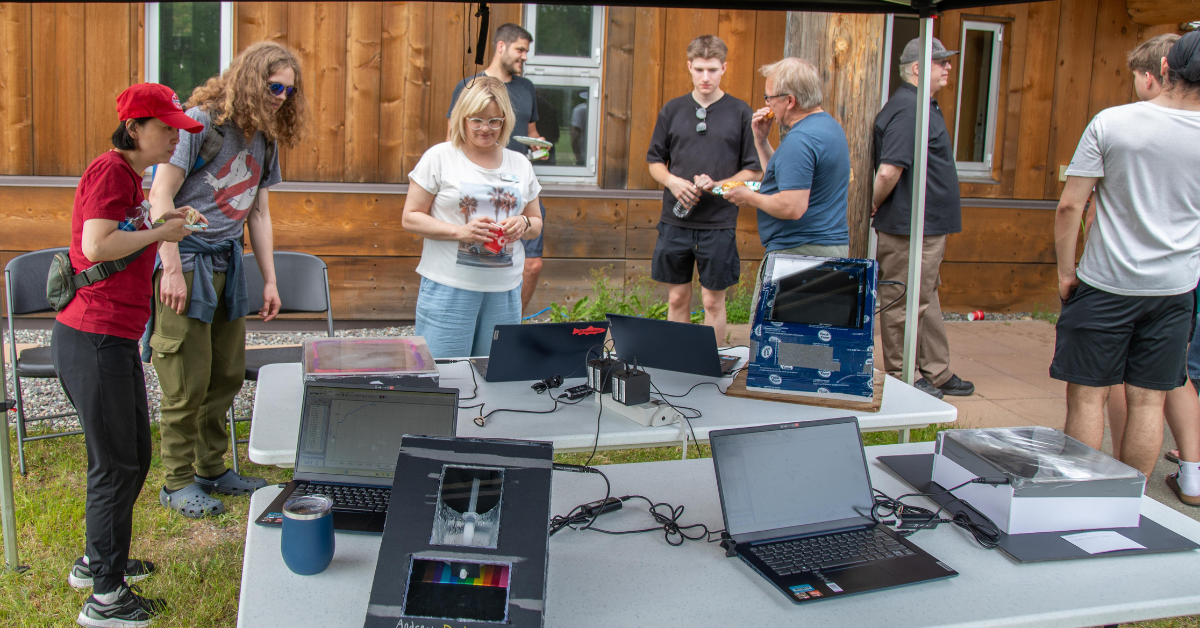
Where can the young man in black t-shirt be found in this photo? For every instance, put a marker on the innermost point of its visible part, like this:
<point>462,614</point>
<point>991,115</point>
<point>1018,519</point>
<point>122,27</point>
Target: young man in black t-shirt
<point>701,140</point>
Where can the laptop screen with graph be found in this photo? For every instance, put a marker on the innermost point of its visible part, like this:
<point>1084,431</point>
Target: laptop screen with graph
<point>356,432</point>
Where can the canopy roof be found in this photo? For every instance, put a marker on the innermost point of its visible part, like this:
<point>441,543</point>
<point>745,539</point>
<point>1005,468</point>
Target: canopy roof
<point>900,7</point>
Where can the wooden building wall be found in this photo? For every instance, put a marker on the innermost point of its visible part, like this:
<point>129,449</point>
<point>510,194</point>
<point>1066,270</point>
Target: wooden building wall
<point>379,76</point>
<point>1063,61</point>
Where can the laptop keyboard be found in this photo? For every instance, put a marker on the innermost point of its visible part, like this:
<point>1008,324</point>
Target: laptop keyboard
<point>349,498</point>
<point>829,552</point>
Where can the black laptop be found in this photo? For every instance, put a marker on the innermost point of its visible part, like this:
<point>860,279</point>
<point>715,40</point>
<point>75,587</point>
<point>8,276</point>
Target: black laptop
<point>797,499</point>
<point>670,346</point>
<point>523,353</point>
<point>348,444</point>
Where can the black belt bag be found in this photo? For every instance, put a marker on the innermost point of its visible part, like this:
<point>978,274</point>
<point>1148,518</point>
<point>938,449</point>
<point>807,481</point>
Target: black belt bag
<point>62,280</point>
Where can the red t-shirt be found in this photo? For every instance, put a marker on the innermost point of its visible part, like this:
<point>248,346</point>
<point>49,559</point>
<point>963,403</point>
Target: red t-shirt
<point>119,305</point>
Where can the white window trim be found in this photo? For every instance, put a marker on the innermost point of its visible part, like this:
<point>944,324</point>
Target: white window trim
<point>594,61</point>
<point>572,72</point>
<point>982,169</point>
<point>574,174</point>
<point>152,38</point>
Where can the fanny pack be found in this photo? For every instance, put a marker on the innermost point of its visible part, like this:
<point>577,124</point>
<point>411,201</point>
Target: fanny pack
<point>62,280</point>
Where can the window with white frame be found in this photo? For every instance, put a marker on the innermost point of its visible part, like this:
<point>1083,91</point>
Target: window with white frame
<point>564,66</point>
<point>978,98</point>
<point>187,43</point>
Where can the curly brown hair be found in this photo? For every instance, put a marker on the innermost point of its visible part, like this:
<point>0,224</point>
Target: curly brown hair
<point>240,94</point>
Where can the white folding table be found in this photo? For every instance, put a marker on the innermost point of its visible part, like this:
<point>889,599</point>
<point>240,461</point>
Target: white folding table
<point>276,419</point>
<point>638,580</point>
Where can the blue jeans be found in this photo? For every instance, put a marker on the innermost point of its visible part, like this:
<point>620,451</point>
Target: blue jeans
<point>459,323</point>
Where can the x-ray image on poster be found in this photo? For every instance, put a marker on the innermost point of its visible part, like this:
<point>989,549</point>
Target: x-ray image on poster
<point>497,203</point>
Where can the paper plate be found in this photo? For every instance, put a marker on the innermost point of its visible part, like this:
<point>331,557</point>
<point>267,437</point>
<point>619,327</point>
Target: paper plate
<point>529,141</point>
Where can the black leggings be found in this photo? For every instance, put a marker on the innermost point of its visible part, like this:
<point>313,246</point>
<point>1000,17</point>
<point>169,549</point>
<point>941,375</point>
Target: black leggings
<point>102,376</point>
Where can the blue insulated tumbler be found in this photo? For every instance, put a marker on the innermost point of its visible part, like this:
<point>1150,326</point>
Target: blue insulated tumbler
<point>307,542</point>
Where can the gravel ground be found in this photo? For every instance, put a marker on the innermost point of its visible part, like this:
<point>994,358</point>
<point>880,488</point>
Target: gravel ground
<point>45,396</point>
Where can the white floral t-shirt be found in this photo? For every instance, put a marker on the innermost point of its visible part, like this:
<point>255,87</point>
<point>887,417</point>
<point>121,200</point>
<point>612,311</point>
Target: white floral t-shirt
<point>463,190</point>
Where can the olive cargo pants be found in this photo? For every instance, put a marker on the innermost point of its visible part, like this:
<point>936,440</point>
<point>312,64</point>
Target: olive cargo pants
<point>201,368</point>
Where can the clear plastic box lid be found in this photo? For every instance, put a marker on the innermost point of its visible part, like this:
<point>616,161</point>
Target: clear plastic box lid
<point>1040,455</point>
<point>333,357</point>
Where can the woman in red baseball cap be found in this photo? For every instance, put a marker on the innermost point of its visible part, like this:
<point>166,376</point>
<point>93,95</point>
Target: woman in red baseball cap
<point>113,242</point>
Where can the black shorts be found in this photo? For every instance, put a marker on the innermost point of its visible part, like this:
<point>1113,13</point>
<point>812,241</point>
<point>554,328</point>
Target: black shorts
<point>1104,339</point>
<point>713,251</point>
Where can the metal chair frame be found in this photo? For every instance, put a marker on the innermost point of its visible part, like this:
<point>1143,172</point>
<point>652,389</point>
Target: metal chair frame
<point>22,418</point>
<point>233,419</point>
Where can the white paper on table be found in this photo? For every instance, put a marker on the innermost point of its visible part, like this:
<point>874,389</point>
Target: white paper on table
<point>1102,541</point>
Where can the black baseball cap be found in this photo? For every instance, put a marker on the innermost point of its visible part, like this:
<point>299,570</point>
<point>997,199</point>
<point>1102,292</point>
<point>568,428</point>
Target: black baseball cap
<point>912,51</point>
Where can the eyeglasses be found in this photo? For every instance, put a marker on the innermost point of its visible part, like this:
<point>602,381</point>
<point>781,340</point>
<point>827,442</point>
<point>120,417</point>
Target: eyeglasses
<point>702,126</point>
<point>767,99</point>
<point>279,88</point>
<point>477,124</point>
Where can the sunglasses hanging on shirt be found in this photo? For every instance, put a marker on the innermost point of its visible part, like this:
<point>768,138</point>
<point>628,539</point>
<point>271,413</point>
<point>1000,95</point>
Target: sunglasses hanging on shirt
<point>701,126</point>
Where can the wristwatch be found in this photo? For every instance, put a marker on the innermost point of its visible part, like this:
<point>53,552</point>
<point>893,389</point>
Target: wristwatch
<point>528,225</point>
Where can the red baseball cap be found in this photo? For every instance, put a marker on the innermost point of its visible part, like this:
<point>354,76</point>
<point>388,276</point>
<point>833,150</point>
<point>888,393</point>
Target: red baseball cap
<point>151,100</point>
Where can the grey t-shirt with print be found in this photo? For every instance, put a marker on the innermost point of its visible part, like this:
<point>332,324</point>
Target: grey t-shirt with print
<point>224,189</point>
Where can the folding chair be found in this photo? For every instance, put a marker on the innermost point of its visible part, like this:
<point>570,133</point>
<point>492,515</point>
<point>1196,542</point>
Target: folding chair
<point>25,293</point>
<point>303,282</point>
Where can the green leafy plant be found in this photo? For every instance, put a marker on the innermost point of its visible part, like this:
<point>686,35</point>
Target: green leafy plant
<point>635,300</point>
<point>1041,313</point>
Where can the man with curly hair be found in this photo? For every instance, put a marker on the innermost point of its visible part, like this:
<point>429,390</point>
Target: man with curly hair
<point>197,334</point>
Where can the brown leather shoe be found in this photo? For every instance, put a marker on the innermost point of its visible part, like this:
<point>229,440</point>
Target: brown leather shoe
<point>1173,484</point>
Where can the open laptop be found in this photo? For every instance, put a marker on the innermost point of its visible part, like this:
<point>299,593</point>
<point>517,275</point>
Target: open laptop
<point>797,500</point>
<point>348,444</point>
<point>670,346</point>
<point>535,352</point>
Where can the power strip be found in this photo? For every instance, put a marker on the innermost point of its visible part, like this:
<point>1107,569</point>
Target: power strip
<point>654,413</point>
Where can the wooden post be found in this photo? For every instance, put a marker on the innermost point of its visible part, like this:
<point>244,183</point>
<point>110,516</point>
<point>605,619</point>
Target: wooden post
<point>847,49</point>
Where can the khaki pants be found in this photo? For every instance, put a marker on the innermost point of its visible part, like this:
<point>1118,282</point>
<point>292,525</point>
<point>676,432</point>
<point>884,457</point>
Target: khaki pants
<point>933,350</point>
<point>200,367</point>
<point>818,250</point>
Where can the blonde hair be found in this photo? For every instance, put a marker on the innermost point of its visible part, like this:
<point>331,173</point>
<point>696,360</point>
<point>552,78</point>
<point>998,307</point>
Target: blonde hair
<point>798,78</point>
<point>474,98</point>
<point>240,94</point>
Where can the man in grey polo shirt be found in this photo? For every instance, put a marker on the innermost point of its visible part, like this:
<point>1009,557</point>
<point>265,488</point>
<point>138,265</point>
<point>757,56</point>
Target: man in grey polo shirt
<point>894,151</point>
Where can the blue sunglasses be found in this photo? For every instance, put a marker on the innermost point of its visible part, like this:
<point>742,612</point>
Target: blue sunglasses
<point>278,89</point>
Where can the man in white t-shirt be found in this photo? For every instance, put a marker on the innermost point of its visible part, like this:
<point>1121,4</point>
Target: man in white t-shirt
<point>1128,309</point>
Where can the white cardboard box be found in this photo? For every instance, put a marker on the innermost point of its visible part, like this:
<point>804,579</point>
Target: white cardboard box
<point>1056,482</point>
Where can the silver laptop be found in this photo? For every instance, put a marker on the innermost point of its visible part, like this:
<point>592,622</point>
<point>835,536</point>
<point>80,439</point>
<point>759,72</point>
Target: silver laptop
<point>348,444</point>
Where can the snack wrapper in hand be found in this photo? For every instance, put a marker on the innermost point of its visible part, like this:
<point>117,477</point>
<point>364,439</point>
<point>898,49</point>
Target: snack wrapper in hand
<point>192,218</point>
<point>720,190</point>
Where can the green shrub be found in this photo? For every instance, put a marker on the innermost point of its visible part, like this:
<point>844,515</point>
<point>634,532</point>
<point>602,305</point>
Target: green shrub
<point>609,299</point>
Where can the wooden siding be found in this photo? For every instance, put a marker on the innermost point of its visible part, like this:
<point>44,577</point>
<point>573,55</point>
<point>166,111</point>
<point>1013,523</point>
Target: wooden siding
<point>379,77</point>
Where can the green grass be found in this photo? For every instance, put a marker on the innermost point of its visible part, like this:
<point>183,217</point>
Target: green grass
<point>1040,313</point>
<point>199,562</point>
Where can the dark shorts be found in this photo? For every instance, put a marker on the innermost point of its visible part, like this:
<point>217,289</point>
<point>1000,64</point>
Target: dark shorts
<point>1104,339</point>
<point>533,248</point>
<point>712,251</point>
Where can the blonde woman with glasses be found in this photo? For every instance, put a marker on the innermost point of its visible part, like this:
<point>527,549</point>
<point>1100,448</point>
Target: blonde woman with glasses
<point>473,201</point>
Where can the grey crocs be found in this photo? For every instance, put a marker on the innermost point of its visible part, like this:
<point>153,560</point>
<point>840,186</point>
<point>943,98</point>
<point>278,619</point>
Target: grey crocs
<point>191,501</point>
<point>231,484</point>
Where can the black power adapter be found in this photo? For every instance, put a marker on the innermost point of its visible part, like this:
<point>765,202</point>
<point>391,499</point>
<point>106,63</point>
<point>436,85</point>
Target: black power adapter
<point>631,387</point>
<point>599,374</point>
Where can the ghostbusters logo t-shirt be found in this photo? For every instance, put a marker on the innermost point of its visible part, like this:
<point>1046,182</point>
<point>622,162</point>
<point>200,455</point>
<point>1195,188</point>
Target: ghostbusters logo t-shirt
<point>462,192</point>
<point>224,189</point>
